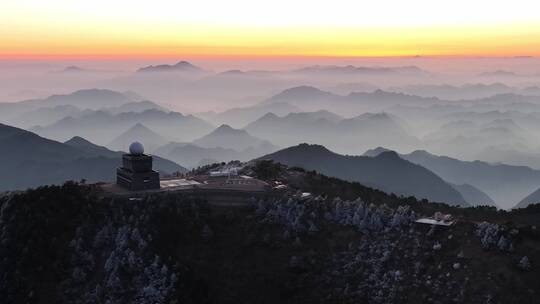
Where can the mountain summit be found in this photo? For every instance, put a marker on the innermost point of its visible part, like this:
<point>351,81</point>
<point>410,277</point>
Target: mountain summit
<point>29,160</point>
<point>387,172</point>
<point>227,137</point>
<point>181,66</point>
<point>141,133</point>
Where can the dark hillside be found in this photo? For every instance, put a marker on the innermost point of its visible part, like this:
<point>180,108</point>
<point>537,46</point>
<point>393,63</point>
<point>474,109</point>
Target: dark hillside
<point>387,172</point>
<point>70,245</point>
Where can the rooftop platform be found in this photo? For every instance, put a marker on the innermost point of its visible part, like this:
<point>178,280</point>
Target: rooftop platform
<point>431,221</point>
<point>222,191</point>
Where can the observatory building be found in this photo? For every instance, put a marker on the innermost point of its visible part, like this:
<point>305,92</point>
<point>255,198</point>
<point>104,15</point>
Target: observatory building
<point>136,172</point>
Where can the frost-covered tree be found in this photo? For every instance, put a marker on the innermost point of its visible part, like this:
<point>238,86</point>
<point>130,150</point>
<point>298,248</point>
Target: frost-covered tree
<point>524,263</point>
<point>494,236</point>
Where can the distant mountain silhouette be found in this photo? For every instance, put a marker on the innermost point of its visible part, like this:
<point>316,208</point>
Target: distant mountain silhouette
<point>350,69</point>
<point>450,92</point>
<point>93,99</point>
<point>348,87</point>
<point>474,196</point>
<point>134,96</point>
<point>315,116</point>
<point>139,133</point>
<point>348,135</point>
<point>507,98</point>
<point>533,198</point>
<point>376,151</point>
<point>102,127</point>
<point>28,160</point>
<point>476,96</point>
<point>312,99</point>
<point>505,184</point>
<point>89,147</point>
<point>181,66</point>
<point>491,133</point>
<point>164,166</point>
<point>73,69</point>
<point>387,172</point>
<point>512,156</point>
<point>477,135</point>
<point>302,95</point>
<point>240,117</point>
<point>87,99</point>
<point>43,116</point>
<point>190,155</point>
<point>228,137</point>
<point>471,194</point>
<point>136,106</point>
<point>498,73</point>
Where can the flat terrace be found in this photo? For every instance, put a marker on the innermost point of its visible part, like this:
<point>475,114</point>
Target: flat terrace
<point>221,191</point>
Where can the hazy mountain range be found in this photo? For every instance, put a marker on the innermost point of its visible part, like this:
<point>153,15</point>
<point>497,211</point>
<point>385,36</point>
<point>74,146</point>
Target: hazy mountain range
<point>362,71</point>
<point>222,144</point>
<point>347,135</point>
<point>386,171</point>
<point>240,117</point>
<point>181,66</point>
<point>39,112</point>
<point>83,99</point>
<point>466,91</point>
<point>103,127</point>
<point>348,108</point>
<point>140,133</point>
<point>473,195</point>
<point>226,137</point>
<point>312,99</point>
<point>29,160</point>
<point>533,198</point>
<point>505,184</point>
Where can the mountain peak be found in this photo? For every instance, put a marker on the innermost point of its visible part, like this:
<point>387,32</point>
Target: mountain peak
<point>226,129</point>
<point>388,155</point>
<point>310,90</point>
<point>141,133</point>
<point>374,116</point>
<point>387,171</point>
<point>94,91</point>
<point>73,68</point>
<point>87,99</point>
<point>301,94</point>
<point>184,64</point>
<point>139,129</point>
<point>375,152</point>
<point>181,66</point>
<point>139,126</point>
<point>226,136</point>
<point>309,149</point>
<point>269,116</point>
<point>78,141</point>
<point>500,73</point>
<point>422,153</point>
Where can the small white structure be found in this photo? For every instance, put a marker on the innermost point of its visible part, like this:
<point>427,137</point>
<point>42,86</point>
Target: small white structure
<point>438,218</point>
<point>136,148</point>
<point>225,172</point>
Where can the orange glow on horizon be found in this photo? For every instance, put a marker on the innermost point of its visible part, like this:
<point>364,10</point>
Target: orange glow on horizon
<point>272,43</point>
<point>32,29</point>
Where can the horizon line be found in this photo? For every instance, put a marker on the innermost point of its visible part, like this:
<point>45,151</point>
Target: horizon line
<point>54,57</point>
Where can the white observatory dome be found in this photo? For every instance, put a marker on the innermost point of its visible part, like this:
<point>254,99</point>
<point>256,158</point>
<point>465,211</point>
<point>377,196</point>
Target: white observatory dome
<point>136,148</point>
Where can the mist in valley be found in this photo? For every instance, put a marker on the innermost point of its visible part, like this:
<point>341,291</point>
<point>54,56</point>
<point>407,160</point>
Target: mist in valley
<point>462,115</point>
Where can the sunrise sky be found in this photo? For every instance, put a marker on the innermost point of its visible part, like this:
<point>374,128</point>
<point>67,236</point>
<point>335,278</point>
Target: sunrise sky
<point>169,28</point>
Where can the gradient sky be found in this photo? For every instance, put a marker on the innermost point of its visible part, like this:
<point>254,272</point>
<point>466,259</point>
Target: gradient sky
<point>172,28</point>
